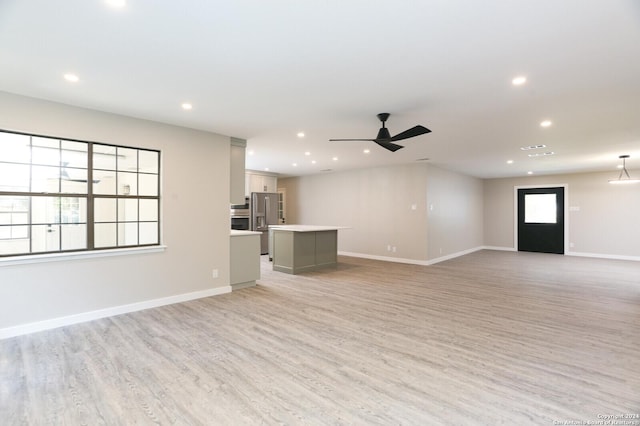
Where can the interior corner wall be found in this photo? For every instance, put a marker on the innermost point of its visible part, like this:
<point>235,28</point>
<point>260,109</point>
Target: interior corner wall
<point>376,204</point>
<point>455,213</point>
<point>602,221</point>
<point>194,219</point>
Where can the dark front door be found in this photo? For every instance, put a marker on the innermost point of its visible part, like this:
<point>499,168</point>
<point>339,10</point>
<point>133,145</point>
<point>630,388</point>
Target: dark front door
<point>541,220</point>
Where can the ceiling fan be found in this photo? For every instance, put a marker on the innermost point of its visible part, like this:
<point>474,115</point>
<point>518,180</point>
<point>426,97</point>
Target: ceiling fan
<point>384,138</point>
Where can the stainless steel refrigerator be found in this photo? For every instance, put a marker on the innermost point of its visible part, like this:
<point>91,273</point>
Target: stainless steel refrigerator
<point>264,212</point>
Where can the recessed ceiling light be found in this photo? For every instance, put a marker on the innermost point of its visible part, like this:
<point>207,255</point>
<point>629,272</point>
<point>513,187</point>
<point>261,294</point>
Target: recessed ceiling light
<point>313,161</point>
<point>266,169</point>
<point>366,151</point>
<point>295,164</point>
<point>545,123</point>
<point>307,153</point>
<point>187,106</point>
<point>251,152</point>
<point>301,134</point>
<point>71,78</point>
<point>519,81</point>
<point>335,158</point>
<point>509,161</point>
<point>529,172</point>
<point>116,3</point>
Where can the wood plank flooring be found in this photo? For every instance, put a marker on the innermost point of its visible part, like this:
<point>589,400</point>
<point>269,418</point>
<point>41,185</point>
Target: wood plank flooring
<point>489,338</point>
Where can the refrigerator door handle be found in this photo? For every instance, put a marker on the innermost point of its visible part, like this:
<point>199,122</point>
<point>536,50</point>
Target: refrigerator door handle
<point>267,209</point>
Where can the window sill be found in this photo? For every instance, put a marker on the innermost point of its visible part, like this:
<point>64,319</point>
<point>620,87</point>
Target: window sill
<point>55,257</point>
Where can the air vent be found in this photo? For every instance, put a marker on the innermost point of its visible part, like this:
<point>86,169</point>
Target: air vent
<point>541,154</point>
<point>527,148</point>
<point>423,159</point>
<point>326,170</point>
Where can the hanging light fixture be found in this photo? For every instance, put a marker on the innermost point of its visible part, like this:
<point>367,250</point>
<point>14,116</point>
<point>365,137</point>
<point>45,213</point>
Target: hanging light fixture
<point>624,174</point>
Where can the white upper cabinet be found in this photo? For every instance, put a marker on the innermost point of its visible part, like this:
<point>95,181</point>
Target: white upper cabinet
<point>259,182</point>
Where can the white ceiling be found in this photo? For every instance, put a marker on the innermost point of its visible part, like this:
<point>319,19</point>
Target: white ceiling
<point>265,70</point>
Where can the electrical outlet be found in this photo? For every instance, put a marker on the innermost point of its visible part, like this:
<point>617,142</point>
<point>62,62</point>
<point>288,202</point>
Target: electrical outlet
<point>389,247</point>
<point>393,249</point>
<point>440,250</point>
<point>214,273</point>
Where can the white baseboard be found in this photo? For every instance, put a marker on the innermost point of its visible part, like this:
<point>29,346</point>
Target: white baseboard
<point>603,256</point>
<point>410,261</point>
<point>49,324</point>
<point>453,255</point>
<point>383,258</point>
<point>499,248</point>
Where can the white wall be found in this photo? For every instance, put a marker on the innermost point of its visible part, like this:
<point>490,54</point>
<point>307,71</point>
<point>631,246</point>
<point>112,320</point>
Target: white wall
<point>375,203</point>
<point>378,204</point>
<point>455,213</point>
<point>605,225</point>
<point>195,220</point>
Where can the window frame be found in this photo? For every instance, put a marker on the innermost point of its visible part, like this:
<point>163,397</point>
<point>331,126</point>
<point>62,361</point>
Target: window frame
<point>90,197</point>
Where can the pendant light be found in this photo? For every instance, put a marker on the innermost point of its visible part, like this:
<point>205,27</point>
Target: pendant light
<point>624,172</point>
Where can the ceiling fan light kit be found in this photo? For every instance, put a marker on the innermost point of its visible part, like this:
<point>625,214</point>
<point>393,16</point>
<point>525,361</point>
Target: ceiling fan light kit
<point>624,176</point>
<point>384,138</point>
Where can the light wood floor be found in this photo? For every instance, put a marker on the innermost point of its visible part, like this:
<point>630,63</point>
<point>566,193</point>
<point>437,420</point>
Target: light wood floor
<point>489,338</point>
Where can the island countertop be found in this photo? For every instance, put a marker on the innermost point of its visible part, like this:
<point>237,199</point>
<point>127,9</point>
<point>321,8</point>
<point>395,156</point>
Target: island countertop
<point>238,233</point>
<point>306,228</point>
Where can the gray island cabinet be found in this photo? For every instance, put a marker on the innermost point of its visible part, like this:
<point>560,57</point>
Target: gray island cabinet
<point>301,248</point>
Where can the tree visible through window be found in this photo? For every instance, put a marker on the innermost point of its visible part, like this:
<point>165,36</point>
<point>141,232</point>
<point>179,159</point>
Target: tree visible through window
<point>61,195</point>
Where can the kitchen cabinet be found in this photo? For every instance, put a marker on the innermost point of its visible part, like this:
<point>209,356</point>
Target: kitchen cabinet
<point>237,172</point>
<point>245,259</point>
<point>260,182</point>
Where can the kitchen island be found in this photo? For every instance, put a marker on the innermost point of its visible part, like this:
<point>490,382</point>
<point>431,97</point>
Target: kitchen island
<point>301,248</point>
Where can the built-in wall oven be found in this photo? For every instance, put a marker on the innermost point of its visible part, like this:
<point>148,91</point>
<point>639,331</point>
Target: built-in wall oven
<point>241,216</point>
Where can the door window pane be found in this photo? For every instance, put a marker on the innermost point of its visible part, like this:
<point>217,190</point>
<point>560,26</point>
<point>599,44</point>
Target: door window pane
<point>540,208</point>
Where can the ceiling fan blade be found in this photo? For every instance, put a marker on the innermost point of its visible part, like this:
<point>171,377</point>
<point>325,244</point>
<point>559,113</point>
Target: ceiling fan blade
<point>412,132</point>
<point>388,145</point>
<point>365,140</point>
